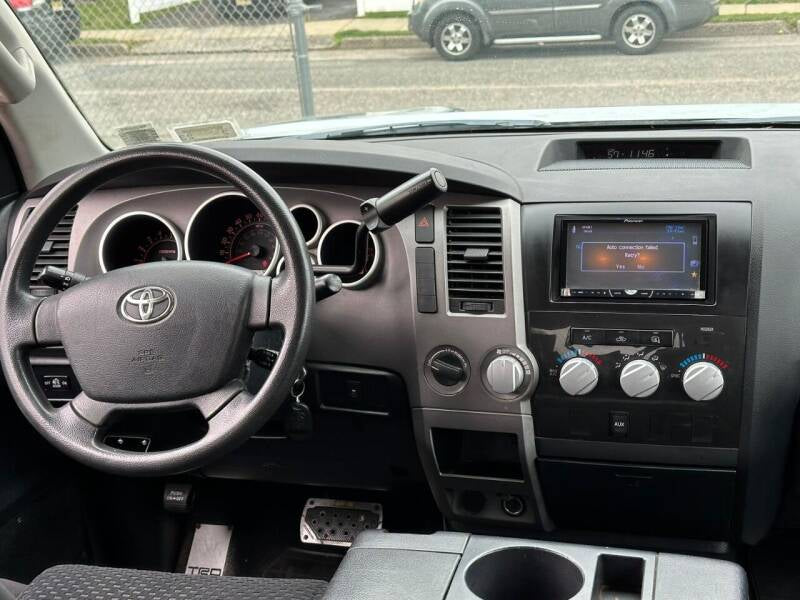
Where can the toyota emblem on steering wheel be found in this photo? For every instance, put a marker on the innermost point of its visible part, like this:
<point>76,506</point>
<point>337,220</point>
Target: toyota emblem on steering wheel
<point>147,304</point>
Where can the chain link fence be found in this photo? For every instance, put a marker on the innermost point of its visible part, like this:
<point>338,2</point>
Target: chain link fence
<point>152,65</point>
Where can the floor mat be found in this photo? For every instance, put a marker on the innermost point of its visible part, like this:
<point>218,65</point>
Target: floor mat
<point>265,540</point>
<point>774,567</point>
<point>47,530</point>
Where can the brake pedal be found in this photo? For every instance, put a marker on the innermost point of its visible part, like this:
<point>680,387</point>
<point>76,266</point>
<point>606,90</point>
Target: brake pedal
<point>209,551</point>
<point>337,522</point>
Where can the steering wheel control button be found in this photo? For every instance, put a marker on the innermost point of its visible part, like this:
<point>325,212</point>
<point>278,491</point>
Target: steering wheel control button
<point>447,370</point>
<point>639,379</point>
<point>578,376</point>
<point>148,304</point>
<point>703,381</point>
<point>504,375</point>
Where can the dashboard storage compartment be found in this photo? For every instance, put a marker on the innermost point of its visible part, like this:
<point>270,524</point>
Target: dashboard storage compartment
<point>608,497</point>
<point>524,572</point>
<point>477,453</point>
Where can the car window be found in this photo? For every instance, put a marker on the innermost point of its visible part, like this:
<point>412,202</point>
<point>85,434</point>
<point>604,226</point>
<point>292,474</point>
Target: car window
<point>193,70</point>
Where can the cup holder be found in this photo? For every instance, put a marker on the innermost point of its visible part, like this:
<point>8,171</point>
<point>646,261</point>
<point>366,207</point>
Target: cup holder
<point>522,572</point>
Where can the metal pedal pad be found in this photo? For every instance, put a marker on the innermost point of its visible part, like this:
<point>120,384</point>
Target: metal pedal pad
<point>209,551</point>
<point>337,522</point>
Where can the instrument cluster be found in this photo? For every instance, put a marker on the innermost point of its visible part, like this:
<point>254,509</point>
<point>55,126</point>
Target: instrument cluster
<point>228,228</point>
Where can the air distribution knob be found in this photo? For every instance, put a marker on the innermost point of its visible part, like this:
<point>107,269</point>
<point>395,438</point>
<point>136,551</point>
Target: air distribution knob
<point>578,376</point>
<point>504,375</point>
<point>639,379</point>
<point>703,381</point>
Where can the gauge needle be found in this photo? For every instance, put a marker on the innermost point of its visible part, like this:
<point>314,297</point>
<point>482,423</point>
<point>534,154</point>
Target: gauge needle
<point>236,259</point>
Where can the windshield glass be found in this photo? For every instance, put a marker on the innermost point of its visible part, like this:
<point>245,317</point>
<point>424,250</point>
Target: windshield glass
<point>196,70</point>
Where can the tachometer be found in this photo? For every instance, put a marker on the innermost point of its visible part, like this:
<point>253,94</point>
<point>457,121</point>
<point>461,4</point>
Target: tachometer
<point>158,246</point>
<point>227,228</point>
<point>138,237</point>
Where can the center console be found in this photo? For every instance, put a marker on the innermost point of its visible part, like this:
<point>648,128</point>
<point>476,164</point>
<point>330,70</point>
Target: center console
<point>591,380</point>
<point>636,314</point>
<point>458,566</point>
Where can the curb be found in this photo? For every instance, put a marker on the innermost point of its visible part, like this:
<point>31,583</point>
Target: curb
<point>775,27</point>
<point>383,41</point>
<point>99,50</point>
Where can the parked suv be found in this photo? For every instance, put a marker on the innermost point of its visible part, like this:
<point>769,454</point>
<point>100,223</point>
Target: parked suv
<point>53,24</point>
<point>459,29</point>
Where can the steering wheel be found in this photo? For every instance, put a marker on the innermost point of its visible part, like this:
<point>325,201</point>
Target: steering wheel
<point>156,337</point>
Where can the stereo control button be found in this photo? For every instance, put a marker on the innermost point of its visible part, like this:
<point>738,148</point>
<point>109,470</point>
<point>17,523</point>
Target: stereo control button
<point>703,381</point>
<point>578,376</point>
<point>639,379</point>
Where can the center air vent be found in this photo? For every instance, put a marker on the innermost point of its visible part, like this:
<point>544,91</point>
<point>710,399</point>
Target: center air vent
<point>55,251</point>
<point>475,281</point>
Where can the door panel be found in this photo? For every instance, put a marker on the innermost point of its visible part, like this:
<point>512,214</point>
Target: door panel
<point>581,16</point>
<point>520,18</point>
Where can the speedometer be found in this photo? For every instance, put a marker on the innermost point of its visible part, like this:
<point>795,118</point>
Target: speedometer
<point>227,228</point>
<point>249,242</point>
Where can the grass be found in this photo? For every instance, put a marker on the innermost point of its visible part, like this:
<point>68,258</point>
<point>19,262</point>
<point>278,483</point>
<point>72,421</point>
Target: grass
<point>790,19</point>
<point>361,33</point>
<point>386,14</point>
<point>754,1</point>
<point>113,14</point>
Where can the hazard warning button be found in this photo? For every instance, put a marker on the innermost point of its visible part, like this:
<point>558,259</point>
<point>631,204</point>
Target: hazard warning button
<point>423,225</point>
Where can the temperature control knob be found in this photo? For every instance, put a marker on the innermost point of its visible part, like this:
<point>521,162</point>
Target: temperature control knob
<point>639,379</point>
<point>505,374</point>
<point>703,381</point>
<point>578,376</point>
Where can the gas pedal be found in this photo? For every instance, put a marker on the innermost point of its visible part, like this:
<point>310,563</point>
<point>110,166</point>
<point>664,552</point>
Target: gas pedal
<point>209,551</point>
<point>337,522</point>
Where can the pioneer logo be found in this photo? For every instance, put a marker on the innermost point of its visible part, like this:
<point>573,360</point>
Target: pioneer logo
<point>633,221</point>
<point>203,571</point>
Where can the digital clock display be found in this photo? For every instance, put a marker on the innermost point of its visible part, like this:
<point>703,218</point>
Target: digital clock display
<point>648,149</point>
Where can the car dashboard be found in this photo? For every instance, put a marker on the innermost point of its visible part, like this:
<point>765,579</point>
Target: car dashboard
<point>589,332</point>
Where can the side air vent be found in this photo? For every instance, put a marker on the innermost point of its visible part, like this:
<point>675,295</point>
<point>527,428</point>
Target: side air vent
<point>475,281</point>
<point>54,252</point>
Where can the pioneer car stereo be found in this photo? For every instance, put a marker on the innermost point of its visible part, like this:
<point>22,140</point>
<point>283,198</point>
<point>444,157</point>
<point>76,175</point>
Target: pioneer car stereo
<point>634,258</point>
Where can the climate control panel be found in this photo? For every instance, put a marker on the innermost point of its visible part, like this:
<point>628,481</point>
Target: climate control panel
<point>640,378</point>
<point>607,377</point>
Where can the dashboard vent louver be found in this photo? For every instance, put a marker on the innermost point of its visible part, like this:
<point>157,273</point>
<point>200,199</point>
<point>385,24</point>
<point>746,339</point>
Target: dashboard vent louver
<point>55,251</point>
<point>475,281</point>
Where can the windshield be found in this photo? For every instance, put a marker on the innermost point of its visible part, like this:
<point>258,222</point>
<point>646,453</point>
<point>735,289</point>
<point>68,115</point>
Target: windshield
<point>197,70</point>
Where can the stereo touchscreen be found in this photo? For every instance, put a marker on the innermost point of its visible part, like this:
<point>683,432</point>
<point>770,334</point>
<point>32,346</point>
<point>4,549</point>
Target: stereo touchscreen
<point>634,258</point>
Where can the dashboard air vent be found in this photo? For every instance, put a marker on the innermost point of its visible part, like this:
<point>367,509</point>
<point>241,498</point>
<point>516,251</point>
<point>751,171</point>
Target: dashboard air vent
<point>475,281</point>
<point>54,252</point>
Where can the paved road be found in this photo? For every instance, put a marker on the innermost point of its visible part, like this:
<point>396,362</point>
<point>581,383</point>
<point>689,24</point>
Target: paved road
<point>260,88</point>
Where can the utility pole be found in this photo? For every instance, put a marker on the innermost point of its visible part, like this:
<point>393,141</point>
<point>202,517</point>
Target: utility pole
<point>297,10</point>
